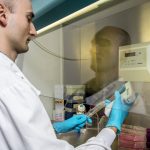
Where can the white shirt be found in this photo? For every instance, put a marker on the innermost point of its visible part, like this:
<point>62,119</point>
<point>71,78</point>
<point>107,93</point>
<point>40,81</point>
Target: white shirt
<point>24,123</point>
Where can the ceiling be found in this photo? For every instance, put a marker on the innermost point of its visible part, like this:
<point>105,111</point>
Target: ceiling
<point>49,11</point>
<point>40,7</point>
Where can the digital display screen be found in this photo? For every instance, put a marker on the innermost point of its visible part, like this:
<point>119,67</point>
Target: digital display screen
<point>130,54</point>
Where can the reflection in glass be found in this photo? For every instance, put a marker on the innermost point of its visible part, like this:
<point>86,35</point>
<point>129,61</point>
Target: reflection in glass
<point>104,57</point>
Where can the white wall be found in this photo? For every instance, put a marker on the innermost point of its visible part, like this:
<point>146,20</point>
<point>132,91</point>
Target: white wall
<point>71,44</point>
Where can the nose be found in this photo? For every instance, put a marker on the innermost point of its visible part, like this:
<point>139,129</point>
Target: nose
<point>33,32</point>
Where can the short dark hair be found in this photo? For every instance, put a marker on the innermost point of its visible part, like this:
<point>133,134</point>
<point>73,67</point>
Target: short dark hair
<point>9,4</point>
<point>121,34</point>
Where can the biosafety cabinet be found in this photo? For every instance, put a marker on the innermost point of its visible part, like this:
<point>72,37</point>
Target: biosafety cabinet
<point>81,49</point>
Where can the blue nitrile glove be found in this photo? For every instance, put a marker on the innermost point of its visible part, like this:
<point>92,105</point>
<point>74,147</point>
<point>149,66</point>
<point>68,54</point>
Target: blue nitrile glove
<point>80,126</point>
<point>74,123</point>
<point>118,112</point>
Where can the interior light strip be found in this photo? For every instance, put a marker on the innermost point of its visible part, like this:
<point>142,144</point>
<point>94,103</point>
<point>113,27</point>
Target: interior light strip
<point>73,15</point>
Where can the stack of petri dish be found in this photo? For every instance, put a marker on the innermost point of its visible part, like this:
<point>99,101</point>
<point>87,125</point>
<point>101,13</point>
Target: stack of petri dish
<point>133,138</point>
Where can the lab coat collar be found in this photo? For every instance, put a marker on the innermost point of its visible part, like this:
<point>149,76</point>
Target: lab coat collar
<point>6,60</point>
<point>11,65</point>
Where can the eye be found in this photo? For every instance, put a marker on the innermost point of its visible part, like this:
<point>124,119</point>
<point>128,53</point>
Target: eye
<point>104,43</point>
<point>29,18</point>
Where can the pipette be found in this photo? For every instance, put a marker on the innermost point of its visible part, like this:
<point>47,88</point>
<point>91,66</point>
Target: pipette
<point>101,105</point>
<point>128,96</point>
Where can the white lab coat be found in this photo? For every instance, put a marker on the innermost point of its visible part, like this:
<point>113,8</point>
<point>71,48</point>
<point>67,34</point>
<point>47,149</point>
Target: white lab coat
<point>24,123</point>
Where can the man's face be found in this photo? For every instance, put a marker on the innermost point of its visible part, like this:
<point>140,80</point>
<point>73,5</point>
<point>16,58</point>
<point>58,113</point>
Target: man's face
<point>103,54</point>
<point>20,27</point>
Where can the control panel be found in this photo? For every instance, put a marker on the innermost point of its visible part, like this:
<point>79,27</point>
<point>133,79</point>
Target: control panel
<point>134,62</point>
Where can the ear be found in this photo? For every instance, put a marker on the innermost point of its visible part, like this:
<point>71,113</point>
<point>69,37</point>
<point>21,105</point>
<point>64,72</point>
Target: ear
<point>3,20</point>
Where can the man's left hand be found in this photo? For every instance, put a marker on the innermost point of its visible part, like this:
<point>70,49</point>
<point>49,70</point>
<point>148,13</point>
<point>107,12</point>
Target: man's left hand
<point>74,123</point>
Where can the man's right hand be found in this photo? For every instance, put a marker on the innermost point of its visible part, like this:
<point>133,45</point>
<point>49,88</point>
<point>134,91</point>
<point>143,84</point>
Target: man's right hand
<point>118,112</point>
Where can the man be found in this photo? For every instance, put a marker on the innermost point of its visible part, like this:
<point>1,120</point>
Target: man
<point>24,124</point>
